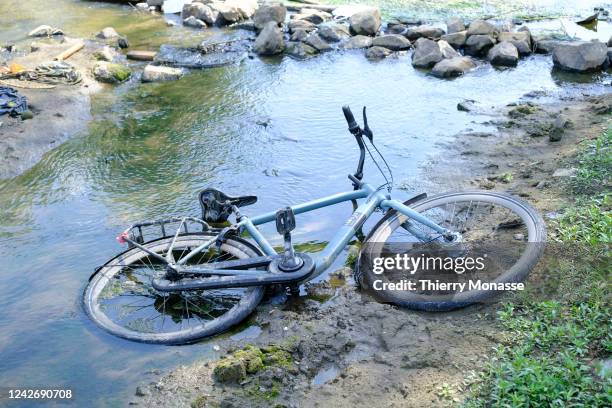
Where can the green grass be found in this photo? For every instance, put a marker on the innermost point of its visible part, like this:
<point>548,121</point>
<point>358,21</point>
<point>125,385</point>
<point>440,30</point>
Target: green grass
<point>594,166</point>
<point>555,346</point>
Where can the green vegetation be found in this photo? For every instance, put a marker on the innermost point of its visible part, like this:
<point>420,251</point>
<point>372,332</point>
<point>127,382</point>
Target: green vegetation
<point>594,172</point>
<point>555,348</point>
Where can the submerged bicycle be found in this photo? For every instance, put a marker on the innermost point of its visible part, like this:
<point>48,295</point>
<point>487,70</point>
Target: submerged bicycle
<point>195,280</point>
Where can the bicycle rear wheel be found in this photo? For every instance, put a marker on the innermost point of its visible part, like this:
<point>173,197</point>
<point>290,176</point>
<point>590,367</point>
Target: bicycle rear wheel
<point>120,299</point>
<point>493,224</point>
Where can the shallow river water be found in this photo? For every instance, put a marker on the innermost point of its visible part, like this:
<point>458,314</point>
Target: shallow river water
<point>153,147</point>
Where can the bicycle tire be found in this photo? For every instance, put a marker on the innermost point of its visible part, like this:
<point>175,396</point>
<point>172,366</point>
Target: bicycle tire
<point>517,273</point>
<point>248,302</point>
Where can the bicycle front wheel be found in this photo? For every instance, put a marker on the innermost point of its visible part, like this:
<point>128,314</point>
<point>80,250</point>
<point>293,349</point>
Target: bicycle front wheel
<point>490,224</point>
<point>120,298</point>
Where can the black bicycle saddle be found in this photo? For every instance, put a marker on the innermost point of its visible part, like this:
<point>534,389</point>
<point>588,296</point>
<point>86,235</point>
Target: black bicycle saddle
<point>217,206</point>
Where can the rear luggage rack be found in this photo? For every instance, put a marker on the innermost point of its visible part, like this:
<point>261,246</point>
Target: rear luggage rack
<point>149,230</point>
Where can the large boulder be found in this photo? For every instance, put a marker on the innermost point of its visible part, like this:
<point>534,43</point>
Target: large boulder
<point>454,25</point>
<point>333,32</point>
<point>456,40</point>
<point>246,8</point>
<point>300,25</point>
<point>479,44</point>
<point>377,53</point>
<point>110,73</point>
<point>270,40</point>
<point>299,35</point>
<point>269,12</point>
<point>546,46</point>
<point>447,50</point>
<point>427,53</point>
<point>504,54</point>
<point>481,27</point>
<point>156,73</point>
<point>366,22</point>
<point>358,41</point>
<point>581,56</point>
<point>454,67</point>
<point>315,41</point>
<point>394,42</point>
<point>521,40</point>
<point>313,16</point>
<point>426,31</point>
<point>300,50</point>
<point>201,12</point>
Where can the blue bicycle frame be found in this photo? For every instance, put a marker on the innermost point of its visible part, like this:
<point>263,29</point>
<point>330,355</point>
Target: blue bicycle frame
<point>374,198</point>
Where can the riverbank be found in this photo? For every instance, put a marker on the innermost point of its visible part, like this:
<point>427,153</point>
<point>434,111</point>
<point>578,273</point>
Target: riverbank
<point>59,111</point>
<point>342,350</point>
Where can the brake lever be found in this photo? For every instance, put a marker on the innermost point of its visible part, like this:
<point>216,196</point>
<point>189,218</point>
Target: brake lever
<point>366,129</point>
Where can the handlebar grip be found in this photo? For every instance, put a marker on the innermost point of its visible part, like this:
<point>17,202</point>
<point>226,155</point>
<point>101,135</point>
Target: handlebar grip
<point>350,119</point>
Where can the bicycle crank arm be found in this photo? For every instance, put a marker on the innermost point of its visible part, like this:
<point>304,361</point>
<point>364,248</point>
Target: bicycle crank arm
<point>236,281</point>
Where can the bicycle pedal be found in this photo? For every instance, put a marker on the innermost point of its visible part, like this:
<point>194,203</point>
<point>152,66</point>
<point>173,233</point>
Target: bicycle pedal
<point>285,221</point>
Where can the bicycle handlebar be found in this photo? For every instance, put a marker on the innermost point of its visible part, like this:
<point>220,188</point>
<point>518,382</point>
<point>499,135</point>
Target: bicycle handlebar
<point>350,119</point>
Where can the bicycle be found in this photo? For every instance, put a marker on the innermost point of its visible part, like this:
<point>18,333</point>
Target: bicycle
<point>187,285</point>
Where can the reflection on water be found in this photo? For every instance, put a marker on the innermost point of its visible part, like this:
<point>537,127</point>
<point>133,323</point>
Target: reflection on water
<point>150,153</point>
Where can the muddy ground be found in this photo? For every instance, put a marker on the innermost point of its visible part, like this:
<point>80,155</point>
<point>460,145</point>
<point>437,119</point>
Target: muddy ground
<point>349,351</point>
<point>59,113</point>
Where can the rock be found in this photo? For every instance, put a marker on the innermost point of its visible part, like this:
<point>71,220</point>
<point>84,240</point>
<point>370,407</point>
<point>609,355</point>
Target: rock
<point>190,58</point>
<point>394,42</point>
<point>300,50</point>
<point>313,16</point>
<point>521,40</point>
<point>478,44</point>
<point>246,8</point>
<point>228,14</point>
<point>299,35</point>
<point>122,42</point>
<point>107,33</point>
<point>358,41</point>
<point>333,32</point>
<point>140,390</point>
<point>301,25</point>
<point>426,31</point>
<point>269,12</point>
<point>481,27</point>
<point>580,57</point>
<point>456,40</point>
<point>106,53</point>
<point>571,172</point>
<point>455,25</point>
<point>453,67</point>
<point>193,22</point>
<point>426,54</point>
<point>377,53</point>
<point>317,42</point>
<point>396,28</point>
<point>546,46</point>
<point>142,6</point>
<point>229,370</point>
<point>45,31</point>
<point>270,40</point>
<point>27,114</point>
<point>201,12</point>
<point>558,128</point>
<point>504,54</point>
<point>447,50</point>
<point>111,73</point>
<point>156,73</point>
<point>366,22</point>
<point>466,105</point>
<point>141,55</point>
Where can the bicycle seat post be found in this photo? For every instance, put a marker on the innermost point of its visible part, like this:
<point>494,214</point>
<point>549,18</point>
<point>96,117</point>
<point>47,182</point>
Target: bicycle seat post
<point>285,223</point>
